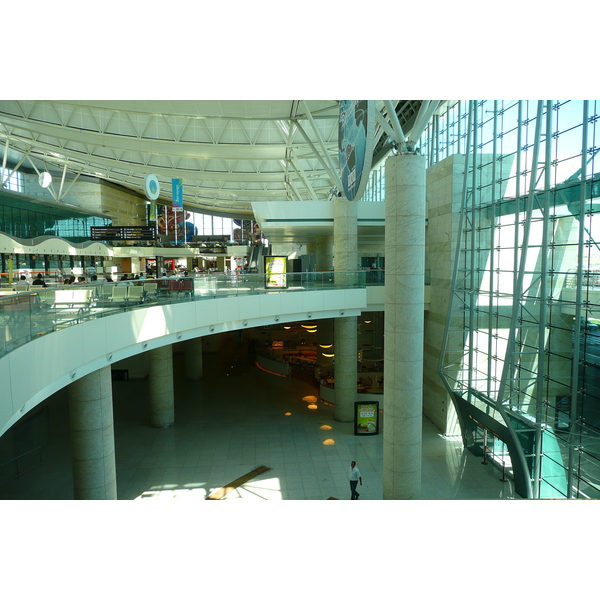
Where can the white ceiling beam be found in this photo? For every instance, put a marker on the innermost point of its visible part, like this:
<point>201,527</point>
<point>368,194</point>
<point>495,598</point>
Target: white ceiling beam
<point>386,126</point>
<point>4,163</point>
<point>62,182</point>
<point>70,185</point>
<point>393,117</point>
<point>16,167</point>
<point>288,136</point>
<point>332,166</point>
<point>50,188</point>
<point>332,174</point>
<point>99,163</point>
<point>293,188</point>
<point>151,146</point>
<point>298,168</point>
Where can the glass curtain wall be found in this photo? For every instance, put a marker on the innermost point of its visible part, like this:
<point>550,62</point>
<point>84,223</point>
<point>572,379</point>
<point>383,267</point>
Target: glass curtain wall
<point>23,223</point>
<point>522,343</point>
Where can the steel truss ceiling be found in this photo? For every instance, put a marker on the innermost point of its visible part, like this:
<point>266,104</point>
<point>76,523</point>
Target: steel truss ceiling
<point>227,153</point>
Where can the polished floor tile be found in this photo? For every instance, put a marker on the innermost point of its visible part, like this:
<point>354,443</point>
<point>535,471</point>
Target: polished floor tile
<point>233,420</point>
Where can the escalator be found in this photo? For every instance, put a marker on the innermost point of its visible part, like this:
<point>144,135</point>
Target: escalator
<point>256,263</point>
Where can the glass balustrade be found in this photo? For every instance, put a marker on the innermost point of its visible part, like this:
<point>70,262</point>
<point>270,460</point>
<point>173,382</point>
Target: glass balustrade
<point>25,315</point>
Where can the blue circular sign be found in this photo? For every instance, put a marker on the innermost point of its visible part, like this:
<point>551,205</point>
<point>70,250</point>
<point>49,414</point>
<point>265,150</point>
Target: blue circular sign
<point>152,187</point>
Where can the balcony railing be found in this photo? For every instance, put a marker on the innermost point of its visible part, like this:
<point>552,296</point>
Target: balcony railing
<point>27,314</point>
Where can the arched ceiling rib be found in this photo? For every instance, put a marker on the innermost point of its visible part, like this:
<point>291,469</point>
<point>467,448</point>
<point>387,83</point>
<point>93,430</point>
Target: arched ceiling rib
<point>227,153</point>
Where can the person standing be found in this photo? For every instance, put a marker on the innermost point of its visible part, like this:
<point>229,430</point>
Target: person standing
<point>355,477</point>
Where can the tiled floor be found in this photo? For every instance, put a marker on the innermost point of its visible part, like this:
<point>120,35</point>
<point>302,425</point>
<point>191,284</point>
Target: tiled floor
<point>238,418</point>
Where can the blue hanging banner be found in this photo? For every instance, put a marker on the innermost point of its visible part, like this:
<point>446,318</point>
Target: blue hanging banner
<point>177,194</point>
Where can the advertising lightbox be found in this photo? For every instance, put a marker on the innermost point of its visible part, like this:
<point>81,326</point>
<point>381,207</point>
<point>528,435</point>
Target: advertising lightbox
<point>366,418</point>
<point>276,271</point>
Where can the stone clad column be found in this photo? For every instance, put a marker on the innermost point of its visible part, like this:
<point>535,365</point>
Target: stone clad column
<point>404,324</point>
<point>193,358</point>
<point>345,368</point>
<point>324,253</point>
<point>92,437</point>
<point>345,337</point>
<point>162,396</point>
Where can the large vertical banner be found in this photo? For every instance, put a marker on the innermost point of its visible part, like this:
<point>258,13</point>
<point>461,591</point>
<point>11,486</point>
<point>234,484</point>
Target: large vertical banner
<point>356,133</point>
<point>152,212</point>
<point>175,225</point>
<point>177,189</point>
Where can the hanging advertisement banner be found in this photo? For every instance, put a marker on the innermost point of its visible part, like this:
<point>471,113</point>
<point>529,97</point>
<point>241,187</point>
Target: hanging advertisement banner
<point>276,271</point>
<point>356,133</point>
<point>177,190</point>
<point>175,224</point>
<point>152,212</point>
<point>366,418</point>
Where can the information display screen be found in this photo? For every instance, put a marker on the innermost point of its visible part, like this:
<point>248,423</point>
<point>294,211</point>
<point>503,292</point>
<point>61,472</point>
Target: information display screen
<point>366,418</point>
<point>123,233</point>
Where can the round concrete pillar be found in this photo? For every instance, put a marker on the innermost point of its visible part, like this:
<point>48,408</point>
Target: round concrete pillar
<point>345,368</point>
<point>345,242</point>
<point>404,323</point>
<point>92,437</point>
<point>345,245</point>
<point>162,396</point>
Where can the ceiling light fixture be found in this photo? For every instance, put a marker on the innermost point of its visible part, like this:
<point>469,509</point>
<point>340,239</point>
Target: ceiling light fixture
<point>45,179</point>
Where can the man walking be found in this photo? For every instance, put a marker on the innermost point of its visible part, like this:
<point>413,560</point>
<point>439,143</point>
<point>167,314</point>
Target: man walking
<point>355,477</point>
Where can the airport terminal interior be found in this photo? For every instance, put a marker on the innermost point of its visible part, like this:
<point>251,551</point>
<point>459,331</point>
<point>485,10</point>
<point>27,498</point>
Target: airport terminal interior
<point>234,299</point>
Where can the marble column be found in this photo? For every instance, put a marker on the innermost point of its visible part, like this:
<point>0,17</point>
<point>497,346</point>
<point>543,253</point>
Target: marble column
<point>92,437</point>
<point>162,397</point>
<point>345,368</point>
<point>345,233</point>
<point>324,253</point>
<point>404,324</point>
<point>193,358</point>
<point>345,248</point>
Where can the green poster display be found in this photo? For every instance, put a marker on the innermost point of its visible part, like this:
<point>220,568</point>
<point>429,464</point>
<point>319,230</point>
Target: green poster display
<point>366,418</point>
<point>276,271</point>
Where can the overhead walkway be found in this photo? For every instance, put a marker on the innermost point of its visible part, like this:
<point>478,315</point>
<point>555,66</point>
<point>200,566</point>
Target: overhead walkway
<point>53,337</point>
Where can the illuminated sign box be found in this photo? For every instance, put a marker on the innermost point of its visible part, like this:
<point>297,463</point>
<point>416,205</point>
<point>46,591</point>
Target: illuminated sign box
<point>276,272</point>
<point>366,418</point>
